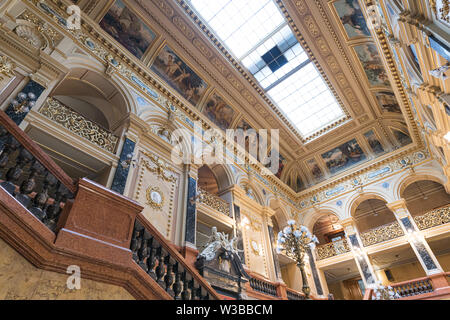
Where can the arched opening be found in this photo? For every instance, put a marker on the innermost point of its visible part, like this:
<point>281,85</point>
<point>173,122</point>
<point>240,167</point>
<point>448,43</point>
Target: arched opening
<point>85,111</point>
<point>425,195</point>
<point>207,181</point>
<point>211,203</point>
<point>372,213</point>
<point>328,229</point>
<point>424,198</point>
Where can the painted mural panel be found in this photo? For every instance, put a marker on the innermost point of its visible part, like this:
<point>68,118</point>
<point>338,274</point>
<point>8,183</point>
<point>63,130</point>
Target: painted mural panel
<point>344,156</point>
<point>128,29</point>
<point>249,139</point>
<point>169,66</point>
<point>219,112</point>
<point>316,171</point>
<point>402,138</point>
<point>373,142</point>
<point>281,164</point>
<point>352,18</point>
<point>388,102</point>
<point>372,64</point>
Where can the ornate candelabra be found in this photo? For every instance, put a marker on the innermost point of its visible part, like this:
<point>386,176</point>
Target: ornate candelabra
<point>24,102</point>
<point>294,241</point>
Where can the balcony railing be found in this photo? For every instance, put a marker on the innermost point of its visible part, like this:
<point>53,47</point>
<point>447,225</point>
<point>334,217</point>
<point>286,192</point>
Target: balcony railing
<point>294,295</point>
<point>263,287</point>
<point>78,124</point>
<point>332,249</point>
<point>381,234</point>
<point>433,287</point>
<point>433,218</point>
<point>214,202</point>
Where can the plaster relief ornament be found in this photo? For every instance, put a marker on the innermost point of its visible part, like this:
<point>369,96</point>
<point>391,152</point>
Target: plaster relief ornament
<point>155,198</point>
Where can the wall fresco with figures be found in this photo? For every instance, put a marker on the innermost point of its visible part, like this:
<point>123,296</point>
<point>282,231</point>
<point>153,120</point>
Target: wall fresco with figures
<point>128,29</point>
<point>372,64</point>
<point>344,156</point>
<point>352,18</point>
<point>169,66</point>
<point>219,112</point>
<point>388,102</point>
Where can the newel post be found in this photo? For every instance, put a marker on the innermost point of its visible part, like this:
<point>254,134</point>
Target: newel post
<point>98,223</point>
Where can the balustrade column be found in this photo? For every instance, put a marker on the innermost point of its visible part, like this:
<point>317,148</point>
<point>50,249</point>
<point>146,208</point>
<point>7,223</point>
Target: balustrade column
<point>361,258</point>
<point>415,237</point>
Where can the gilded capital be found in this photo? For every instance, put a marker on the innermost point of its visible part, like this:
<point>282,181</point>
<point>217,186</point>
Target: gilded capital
<point>7,67</point>
<point>398,207</point>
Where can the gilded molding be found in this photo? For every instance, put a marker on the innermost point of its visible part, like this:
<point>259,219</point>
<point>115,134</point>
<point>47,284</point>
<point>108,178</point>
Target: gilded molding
<point>7,67</point>
<point>214,202</point>
<point>433,218</point>
<point>78,124</point>
<point>381,234</point>
<point>332,249</point>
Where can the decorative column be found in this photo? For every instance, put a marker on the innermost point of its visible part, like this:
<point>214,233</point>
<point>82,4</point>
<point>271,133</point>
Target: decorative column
<point>315,273</point>
<point>361,258</point>
<point>274,265</point>
<point>124,165</point>
<point>240,244</point>
<point>190,251</point>
<point>415,237</point>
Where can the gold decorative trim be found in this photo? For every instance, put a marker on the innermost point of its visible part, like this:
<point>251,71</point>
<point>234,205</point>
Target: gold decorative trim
<point>214,202</point>
<point>332,249</point>
<point>433,218</point>
<point>78,124</point>
<point>7,67</point>
<point>151,194</point>
<point>381,234</point>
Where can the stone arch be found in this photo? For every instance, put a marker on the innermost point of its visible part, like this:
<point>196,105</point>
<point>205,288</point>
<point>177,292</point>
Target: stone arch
<point>407,178</point>
<point>316,215</point>
<point>98,97</point>
<point>246,184</point>
<point>358,198</point>
<point>223,174</point>
<point>281,215</point>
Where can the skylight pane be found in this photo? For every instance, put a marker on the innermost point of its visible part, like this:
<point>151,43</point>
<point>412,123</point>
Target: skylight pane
<point>241,24</point>
<point>306,100</point>
<point>257,34</point>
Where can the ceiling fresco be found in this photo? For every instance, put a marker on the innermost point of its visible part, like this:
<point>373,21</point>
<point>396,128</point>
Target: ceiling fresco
<point>179,48</point>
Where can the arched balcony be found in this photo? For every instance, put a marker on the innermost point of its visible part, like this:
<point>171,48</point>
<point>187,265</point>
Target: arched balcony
<point>80,124</point>
<point>212,209</point>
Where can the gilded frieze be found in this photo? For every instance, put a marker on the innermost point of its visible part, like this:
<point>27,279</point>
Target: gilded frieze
<point>79,125</point>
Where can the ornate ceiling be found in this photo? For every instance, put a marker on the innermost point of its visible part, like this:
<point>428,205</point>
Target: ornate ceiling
<point>358,68</point>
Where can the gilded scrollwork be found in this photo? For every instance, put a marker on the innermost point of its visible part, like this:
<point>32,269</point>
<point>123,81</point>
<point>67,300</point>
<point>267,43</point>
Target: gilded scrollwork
<point>78,124</point>
<point>155,198</point>
<point>214,202</point>
<point>381,234</point>
<point>332,249</point>
<point>7,67</point>
<point>160,167</point>
<point>433,218</point>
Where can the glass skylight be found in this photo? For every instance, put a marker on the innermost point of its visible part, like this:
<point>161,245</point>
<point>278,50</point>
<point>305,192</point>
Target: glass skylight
<point>257,34</point>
